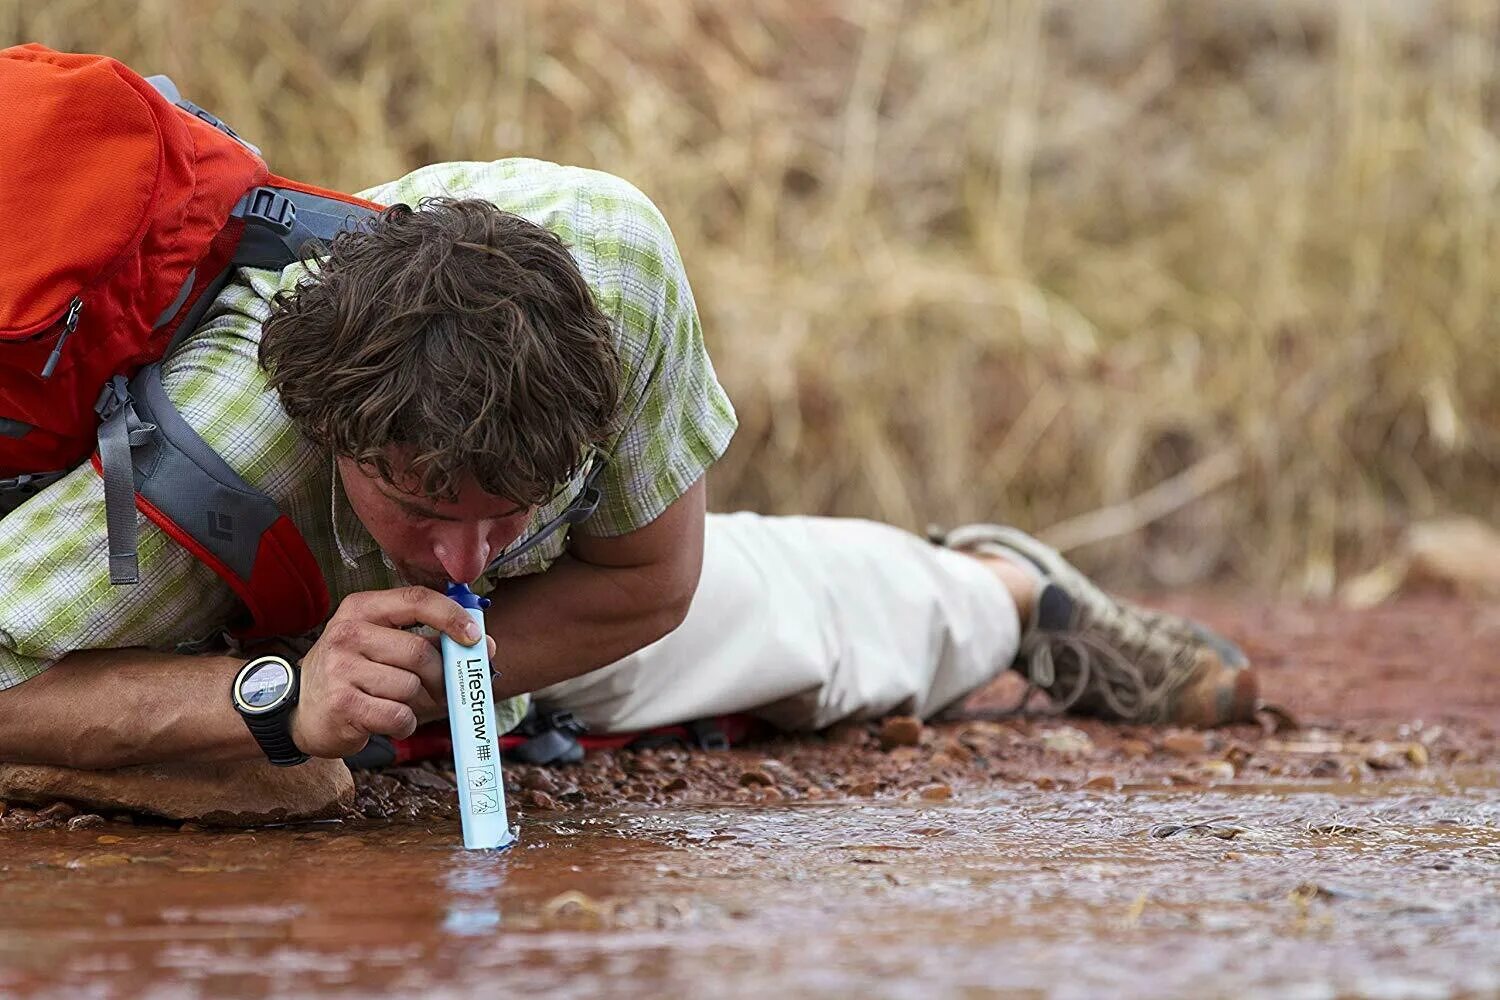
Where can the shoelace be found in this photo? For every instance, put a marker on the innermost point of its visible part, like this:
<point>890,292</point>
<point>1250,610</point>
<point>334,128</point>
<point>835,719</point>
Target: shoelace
<point>1122,685</point>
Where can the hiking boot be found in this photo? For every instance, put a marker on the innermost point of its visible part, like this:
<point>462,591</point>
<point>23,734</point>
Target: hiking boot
<point>1096,655</point>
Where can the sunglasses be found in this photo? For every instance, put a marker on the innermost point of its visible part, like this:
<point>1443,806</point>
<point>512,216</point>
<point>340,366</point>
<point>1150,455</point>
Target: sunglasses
<point>579,510</point>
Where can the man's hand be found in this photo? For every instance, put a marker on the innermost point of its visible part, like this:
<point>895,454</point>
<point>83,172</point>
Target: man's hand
<point>368,676</point>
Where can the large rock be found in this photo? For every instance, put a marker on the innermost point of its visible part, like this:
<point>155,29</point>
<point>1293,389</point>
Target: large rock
<point>243,793</point>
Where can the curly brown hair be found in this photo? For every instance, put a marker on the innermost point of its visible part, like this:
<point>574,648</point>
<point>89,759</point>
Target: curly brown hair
<point>462,334</point>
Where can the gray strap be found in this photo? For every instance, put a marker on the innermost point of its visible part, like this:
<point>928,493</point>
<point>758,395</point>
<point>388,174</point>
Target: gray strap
<point>120,430</point>
<point>164,86</point>
<point>282,224</point>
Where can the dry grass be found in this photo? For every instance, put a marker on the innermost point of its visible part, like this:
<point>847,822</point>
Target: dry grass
<point>1205,290</point>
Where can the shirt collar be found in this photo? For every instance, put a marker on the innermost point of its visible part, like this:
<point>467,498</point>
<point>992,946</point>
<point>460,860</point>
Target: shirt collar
<point>349,533</point>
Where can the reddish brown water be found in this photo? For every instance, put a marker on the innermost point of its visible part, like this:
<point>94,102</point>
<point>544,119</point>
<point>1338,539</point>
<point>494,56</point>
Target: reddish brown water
<point>1374,890</point>
<point>1037,877</point>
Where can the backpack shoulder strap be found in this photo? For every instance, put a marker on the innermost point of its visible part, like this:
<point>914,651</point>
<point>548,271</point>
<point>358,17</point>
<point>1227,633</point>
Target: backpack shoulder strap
<point>189,491</point>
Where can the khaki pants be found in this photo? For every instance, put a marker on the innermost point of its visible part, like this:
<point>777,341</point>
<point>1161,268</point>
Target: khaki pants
<point>807,621</point>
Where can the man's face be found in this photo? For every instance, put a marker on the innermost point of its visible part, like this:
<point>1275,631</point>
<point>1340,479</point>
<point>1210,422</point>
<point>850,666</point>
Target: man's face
<point>430,541</point>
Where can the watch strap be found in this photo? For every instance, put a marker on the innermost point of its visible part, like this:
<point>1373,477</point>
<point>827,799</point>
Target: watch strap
<point>273,733</point>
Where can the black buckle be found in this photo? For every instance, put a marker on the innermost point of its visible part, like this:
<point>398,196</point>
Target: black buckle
<point>708,735</point>
<point>113,397</point>
<point>206,116</point>
<point>271,209</point>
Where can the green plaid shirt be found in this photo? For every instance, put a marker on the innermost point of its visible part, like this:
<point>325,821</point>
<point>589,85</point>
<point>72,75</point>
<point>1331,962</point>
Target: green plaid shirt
<point>675,419</point>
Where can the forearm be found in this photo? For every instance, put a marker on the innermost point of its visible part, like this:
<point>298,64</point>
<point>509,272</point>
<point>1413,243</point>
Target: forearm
<point>110,708</point>
<point>577,617</point>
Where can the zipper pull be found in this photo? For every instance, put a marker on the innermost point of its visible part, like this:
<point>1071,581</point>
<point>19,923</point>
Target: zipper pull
<point>70,323</point>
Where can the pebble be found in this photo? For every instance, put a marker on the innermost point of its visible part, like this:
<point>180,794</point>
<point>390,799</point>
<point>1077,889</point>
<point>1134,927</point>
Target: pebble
<point>675,785</point>
<point>58,811</point>
<point>538,780</point>
<point>1216,770</point>
<point>936,792</point>
<point>942,761</point>
<point>900,731</point>
<point>538,799</point>
<point>864,789</point>
<point>108,838</point>
<point>1135,749</point>
<point>770,794</point>
<point>848,734</point>
<point>1102,783</point>
<point>419,777</point>
<point>1067,741</point>
<point>85,822</point>
<point>1185,744</point>
<point>756,777</point>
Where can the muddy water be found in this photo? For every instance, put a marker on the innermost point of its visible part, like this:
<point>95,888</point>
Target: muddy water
<point>1321,890</point>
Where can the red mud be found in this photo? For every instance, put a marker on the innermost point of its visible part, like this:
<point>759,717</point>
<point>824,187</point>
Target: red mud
<point>1397,688</point>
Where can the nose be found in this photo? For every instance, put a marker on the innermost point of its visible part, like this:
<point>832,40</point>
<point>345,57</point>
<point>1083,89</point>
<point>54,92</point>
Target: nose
<point>463,553</point>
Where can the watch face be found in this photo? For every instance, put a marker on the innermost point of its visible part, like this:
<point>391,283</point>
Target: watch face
<point>264,684</point>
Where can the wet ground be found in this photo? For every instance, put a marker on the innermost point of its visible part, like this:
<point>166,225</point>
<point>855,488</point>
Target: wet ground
<point>1356,856</point>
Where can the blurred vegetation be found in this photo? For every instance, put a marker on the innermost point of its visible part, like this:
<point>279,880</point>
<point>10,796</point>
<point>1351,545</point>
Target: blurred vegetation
<point>1200,290</point>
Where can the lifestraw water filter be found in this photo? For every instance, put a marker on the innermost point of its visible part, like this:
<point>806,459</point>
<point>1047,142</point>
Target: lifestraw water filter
<point>476,741</point>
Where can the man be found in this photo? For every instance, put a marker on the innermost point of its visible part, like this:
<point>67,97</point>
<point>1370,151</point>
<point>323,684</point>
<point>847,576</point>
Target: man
<point>441,387</point>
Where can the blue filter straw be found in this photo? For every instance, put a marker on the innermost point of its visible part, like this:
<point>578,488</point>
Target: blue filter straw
<point>476,742</point>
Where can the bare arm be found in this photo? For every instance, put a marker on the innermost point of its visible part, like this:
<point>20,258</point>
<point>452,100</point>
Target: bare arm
<point>114,707</point>
<point>605,599</point>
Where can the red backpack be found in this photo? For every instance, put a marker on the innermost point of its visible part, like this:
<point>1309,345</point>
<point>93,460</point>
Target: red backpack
<point>123,211</point>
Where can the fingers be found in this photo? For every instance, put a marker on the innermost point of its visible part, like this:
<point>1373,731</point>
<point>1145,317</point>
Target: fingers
<point>407,606</point>
<point>389,683</point>
<point>373,716</point>
<point>379,645</point>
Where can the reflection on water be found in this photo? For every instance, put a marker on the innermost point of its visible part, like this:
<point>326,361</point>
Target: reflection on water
<point>473,885</point>
<point>1385,891</point>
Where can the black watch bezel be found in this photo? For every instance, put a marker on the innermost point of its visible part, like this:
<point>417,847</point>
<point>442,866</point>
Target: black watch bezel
<point>271,724</point>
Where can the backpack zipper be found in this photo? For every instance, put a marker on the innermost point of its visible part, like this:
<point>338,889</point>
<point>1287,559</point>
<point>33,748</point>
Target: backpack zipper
<point>69,324</point>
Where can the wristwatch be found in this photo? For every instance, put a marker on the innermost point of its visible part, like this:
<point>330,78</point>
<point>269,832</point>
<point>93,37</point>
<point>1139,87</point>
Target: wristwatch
<point>264,693</point>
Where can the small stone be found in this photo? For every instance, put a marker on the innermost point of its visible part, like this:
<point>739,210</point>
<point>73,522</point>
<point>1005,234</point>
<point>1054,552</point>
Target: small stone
<point>1102,783</point>
<point>538,799</point>
<point>1216,770</point>
<point>3,807</point>
<point>1415,752</point>
<point>1135,749</point>
<point>1067,741</point>
<point>419,777</point>
<point>936,792</point>
<point>771,794</point>
<point>85,822</point>
<point>675,785</point>
<point>538,780</point>
<point>108,838</point>
<point>942,761</point>
<point>1046,783</point>
<point>57,811</point>
<point>1185,744</point>
<point>900,731</point>
<point>99,861</point>
<point>848,734</point>
<point>189,828</point>
<point>756,777</point>
<point>864,789</point>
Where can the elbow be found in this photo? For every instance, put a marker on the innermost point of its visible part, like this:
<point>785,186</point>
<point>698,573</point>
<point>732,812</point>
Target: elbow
<point>673,598</point>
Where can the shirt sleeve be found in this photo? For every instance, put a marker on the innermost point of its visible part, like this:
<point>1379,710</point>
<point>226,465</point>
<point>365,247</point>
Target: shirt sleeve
<point>57,597</point>
<point>674,418</point>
